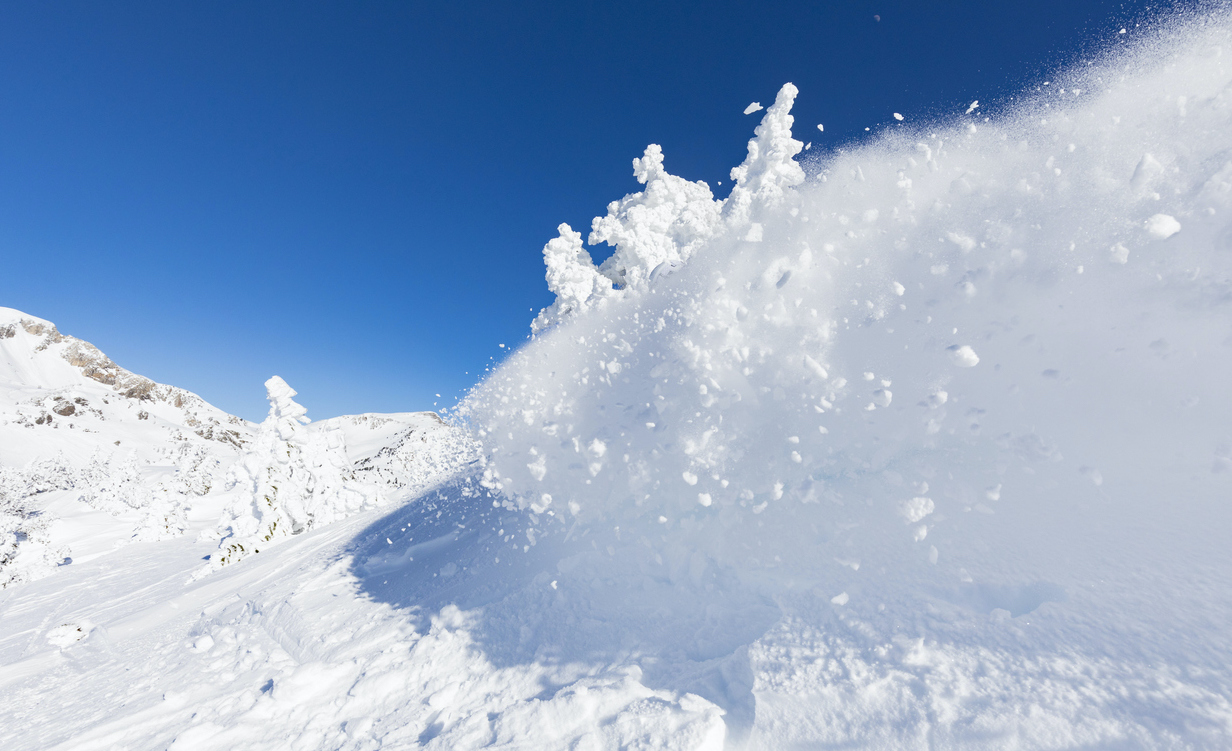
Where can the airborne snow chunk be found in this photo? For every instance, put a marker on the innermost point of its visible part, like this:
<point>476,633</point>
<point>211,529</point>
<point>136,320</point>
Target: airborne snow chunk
<point>1162,226</point>
<point>964,356</point>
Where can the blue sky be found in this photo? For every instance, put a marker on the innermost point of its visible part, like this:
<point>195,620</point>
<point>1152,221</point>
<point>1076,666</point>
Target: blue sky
<point>355,196</point>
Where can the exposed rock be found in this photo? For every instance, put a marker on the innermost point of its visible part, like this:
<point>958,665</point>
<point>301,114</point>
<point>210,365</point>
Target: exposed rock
<point>98,367</point>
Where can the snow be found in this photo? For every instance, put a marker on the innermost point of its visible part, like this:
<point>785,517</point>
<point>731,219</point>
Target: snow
<point>1162,226</point>
<point>731,493</point>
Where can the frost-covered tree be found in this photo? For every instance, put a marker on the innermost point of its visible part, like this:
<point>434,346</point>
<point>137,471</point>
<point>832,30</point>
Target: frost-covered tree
<point>572,276</point>
<point>195,467</point>
<point>664,223</point>
<point>45,475</point>
<point>116,486</point>
<point>770,168</point>
<point>290,479</point>
<point>26,550</point>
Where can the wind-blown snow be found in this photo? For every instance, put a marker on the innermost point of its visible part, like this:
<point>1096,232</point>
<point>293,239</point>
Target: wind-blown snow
<point>922,443</point>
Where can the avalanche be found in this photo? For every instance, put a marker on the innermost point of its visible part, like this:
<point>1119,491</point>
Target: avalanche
<point>919,443</point>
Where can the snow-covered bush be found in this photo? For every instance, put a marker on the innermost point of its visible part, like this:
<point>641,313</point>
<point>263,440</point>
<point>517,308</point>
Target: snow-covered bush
<point>117,487</point>
<point>113,485</point>
<point>26,550</point>
<point>291,479</point>
<point>52,473</point>
<point>571,276</point>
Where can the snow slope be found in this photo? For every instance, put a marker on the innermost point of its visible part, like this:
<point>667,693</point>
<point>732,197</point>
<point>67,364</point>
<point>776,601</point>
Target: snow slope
<point>924,445</point>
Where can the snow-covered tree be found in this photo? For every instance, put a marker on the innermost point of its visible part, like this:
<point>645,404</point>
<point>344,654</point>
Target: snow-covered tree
<point>572,276</point>
<point>290,479</point>
<point>113,485</point>
<point>117,487</point>
<point>664,223</point>
<point>195,467</point>
<point>26,551</point>
<point>770,168</point>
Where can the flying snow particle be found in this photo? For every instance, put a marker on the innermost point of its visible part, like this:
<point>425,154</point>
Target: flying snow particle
<point>1119,253</point>
<point>821,127</point>
<point>974,106</point>
<point>755,106</point>
<point>916,509</point>
<point>1162,226</point>
<point>689,477</point>
<point>815,367</point>
<point>898,116</point>
<point>840,599</point>
<point>964,356</point>
<point>704,499</point>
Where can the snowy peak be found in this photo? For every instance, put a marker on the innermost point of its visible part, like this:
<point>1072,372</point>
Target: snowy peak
<point>52,381</point>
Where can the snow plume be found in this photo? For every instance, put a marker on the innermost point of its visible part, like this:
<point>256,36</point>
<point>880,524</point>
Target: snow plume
<point>970,371</point>
<point>290,479</point>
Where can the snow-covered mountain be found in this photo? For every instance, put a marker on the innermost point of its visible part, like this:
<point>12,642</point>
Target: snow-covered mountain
<point>920,444</point>
<point>61,394</point>
<point>93,456</point>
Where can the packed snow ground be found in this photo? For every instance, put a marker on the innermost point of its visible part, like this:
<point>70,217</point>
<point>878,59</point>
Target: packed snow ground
<point>925,445</point>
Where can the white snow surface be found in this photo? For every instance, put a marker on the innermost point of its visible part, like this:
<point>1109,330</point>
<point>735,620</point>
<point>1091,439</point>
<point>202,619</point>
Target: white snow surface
<point>688,513</point>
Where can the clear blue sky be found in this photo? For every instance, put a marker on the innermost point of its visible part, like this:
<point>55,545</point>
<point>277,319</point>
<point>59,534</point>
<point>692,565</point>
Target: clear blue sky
<point>355,195</point>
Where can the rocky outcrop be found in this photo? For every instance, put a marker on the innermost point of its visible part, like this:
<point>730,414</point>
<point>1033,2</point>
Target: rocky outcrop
<point>198,416</point>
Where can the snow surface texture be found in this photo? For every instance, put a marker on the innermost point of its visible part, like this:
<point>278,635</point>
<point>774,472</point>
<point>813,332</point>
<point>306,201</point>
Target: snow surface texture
<point>931,449</point>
